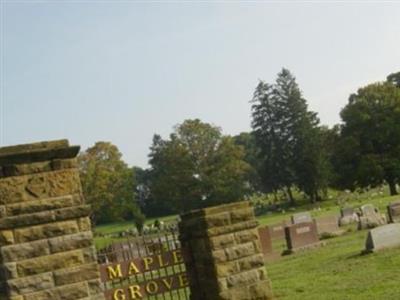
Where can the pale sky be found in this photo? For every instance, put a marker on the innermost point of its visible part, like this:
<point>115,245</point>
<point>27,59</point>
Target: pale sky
<point>121,71</point>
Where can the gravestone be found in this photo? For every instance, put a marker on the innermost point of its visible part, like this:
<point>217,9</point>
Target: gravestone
<point>265,241</point>
<point>348,216</point>
<point>328,225</point>
<point>347,211</point>
<point>226,258</point>
<point>301,236</point>
<point>368,210</point>
<point>394,212</point>
<point>277,230</point>
<point>302,217</point>
<point>383,237</point>
<point>370,217</point>
<point>46,241</point>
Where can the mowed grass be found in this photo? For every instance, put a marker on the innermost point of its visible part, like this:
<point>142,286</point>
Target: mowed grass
<point>336,271</point>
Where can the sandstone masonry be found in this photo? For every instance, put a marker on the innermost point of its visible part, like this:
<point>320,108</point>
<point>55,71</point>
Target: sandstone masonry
<point>227,261</point>
<point>46,247</point>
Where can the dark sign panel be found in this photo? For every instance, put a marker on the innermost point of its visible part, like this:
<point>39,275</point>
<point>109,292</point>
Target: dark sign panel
<point>141,277</point>
<point>149,288</point>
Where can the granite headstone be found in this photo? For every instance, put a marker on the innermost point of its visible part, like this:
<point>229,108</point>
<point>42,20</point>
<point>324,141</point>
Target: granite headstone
<point>328,225</point>
<point>301,236</point>
<point>394,212</point>
<point>302,217</point>
<point>383,237</point>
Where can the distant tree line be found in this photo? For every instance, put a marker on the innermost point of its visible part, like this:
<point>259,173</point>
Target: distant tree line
<point>288,149</point>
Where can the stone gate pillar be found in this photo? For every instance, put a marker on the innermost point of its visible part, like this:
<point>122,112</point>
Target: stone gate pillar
<point>46,246</point>
<point>226,258</point>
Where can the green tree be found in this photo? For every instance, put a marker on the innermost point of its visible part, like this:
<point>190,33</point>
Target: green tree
<point>369,149</point>
<point>394,78</point>
<point>196,167</point>
<point>247,140</point>
<point>108,184</point>
<point>288,137</point>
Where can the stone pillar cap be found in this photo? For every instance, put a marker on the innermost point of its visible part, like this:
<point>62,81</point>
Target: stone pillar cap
<point>36,152</point>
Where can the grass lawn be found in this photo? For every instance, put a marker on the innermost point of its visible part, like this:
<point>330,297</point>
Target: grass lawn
<point>336,271</point>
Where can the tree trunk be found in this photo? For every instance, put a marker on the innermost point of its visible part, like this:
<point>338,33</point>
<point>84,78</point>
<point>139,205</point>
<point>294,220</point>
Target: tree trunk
<point>291,199</point>
<point>392,187</point>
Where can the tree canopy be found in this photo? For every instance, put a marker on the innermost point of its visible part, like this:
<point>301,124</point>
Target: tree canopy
<point>370,137</point>
<point>196,167</point>
<point>288,137</point>
<point>108,184</point>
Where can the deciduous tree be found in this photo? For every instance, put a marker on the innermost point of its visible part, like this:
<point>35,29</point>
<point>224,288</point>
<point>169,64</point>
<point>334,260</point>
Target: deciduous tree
<point>370,137</point>
<point>108,184</point>
<point>196,167</point>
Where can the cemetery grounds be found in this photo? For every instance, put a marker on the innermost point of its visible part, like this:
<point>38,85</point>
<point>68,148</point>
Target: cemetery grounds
<point>336,271</point>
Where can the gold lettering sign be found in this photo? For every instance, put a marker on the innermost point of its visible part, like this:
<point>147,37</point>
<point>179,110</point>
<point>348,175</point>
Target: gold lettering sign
<point>114,271</point>
<point>150,288</point>
<point>135,266</point>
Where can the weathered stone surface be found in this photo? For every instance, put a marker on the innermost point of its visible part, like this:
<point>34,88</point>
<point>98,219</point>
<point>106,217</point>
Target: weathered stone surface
<point>85,224</point>
<point>25,251</point>
<point>246,236</point>
<point>347,212</point>
<point>45,231</point>
<point>24,169</point>
<point>26,148</point>
<point>302,217</point>
<point>26,220</point>
<point>6,237</point>
<point>328,225</point>
<point>89,254</point>
<point>219,256</point>
<point>30,284</point>
<point>227,268</point>
<point>50,263</point>
<point>383,237</point>
<point>214,210</point>
<point>95,288</point>
<point>243,278</point>
<point>60,164</point>
<point>3,211</point>
<point>76,274</point>
<point>9,270</point>
<point>394,212</point>
<point>37,155</point>
<point>277,231</point>
<point>221,219</point>
<point>222,241</point>
<point>71,242</point>
<point>227,262</point>
<point>261,291</point>
<point>66,292</point>
<point>240,251</point>
<point>368,209</point>
<point>302,235</point>
<point>42,205</point>
<point>251,262</point>
<point>370,217</point>
<point>265,241</point>
<point>39,186</point>
<point>38,167</point>
<point>242,215</point>
<point>348,216</point>
<point>75,212</point>
<point>233,228</point>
